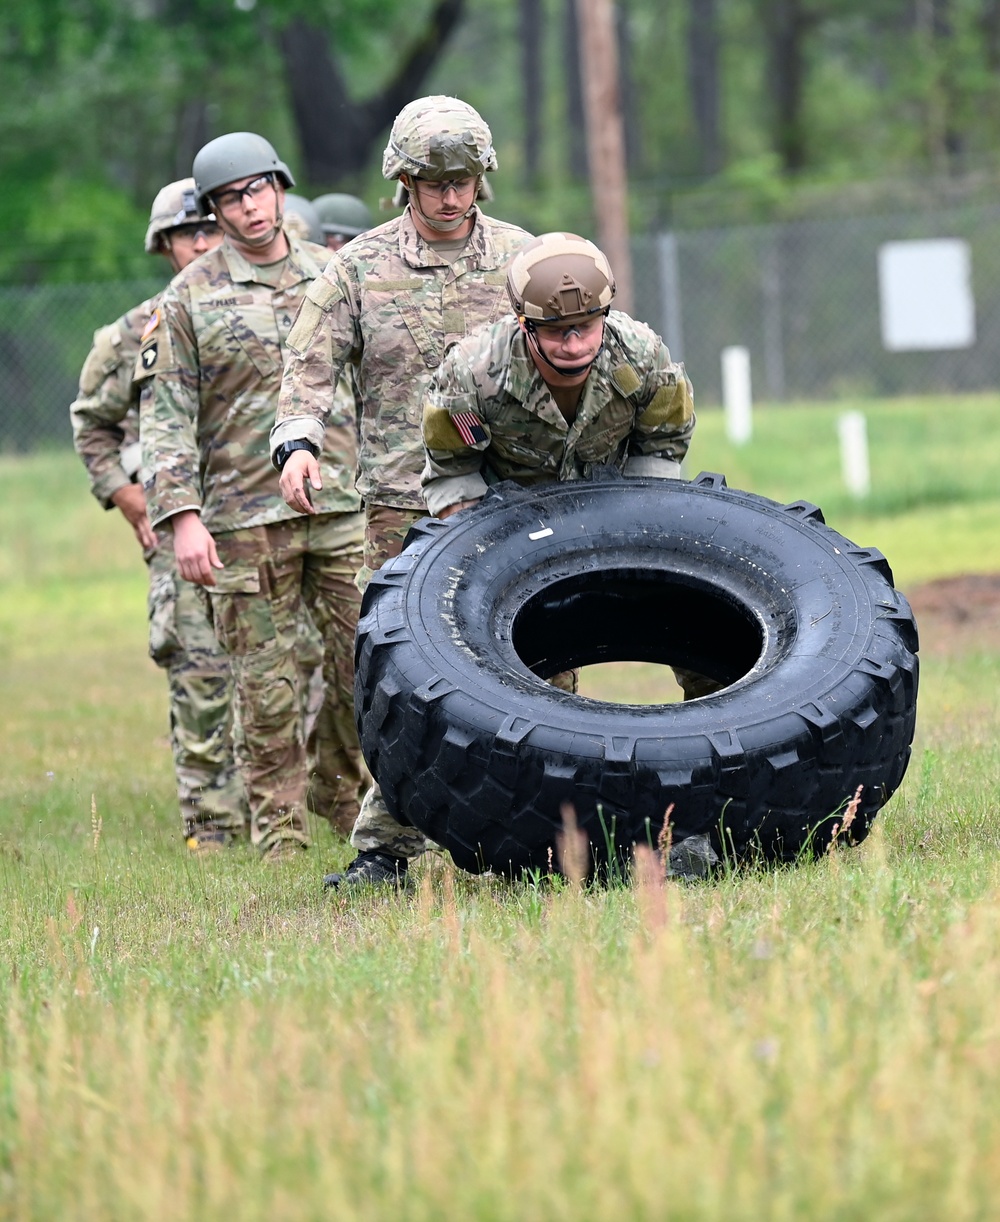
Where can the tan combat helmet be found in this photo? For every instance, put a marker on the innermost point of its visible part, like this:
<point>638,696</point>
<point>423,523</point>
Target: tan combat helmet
<point>174,205</point>
<point>558,279</point>
<point>439,137</point>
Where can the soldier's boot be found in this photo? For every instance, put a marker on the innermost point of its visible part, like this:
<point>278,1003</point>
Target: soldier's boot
<point>372,868</point>
<point>205,840</point>
<point>692,857</point>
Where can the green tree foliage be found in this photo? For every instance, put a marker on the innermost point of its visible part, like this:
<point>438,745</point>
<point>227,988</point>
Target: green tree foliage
<point>736,107</point>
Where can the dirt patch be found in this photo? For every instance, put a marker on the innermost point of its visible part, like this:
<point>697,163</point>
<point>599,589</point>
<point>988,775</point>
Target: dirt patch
<point>958,613</point>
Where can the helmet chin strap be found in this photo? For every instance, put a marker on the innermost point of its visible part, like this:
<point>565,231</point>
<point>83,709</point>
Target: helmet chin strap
<point>440,226</point>
<point>254,243</point>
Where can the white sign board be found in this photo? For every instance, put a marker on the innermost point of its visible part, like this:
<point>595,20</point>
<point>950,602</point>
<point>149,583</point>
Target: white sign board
<point>925,295</point>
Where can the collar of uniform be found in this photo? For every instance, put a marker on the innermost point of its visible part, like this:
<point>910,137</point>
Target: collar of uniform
<point>418,252</point>
<point>521,371</point>
<point>298,266</point>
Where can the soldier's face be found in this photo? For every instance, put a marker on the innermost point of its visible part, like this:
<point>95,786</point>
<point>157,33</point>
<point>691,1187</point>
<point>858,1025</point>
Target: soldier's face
<point>566,349</point>
<point>334,241</point>
<point>186,242</point>
<point>250,206</point>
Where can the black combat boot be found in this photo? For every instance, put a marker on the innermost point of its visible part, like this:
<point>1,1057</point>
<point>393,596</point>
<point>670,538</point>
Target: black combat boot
<point>372,868</point>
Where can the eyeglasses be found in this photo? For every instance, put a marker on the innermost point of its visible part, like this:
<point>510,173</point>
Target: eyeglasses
<point>440,188</point>
<point>555,336</point>
<point>228,200</point>
<point>196,230</point>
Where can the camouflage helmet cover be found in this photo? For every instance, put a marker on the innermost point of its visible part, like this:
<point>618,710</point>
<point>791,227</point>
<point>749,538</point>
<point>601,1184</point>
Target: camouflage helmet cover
<point>174,205</point>
<point>302,218</point>
<point>343,214</point>
<point>560,278</point>
<point>438,137</point>
<point>232,157</point>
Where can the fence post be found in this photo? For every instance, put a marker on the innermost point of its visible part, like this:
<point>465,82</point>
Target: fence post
<point>670,293</point>
<point>853,431</point>
<point>736,397</point>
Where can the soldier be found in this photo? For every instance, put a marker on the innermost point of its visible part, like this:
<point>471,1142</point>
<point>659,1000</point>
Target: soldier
<point>216,349</point>
<point>341,218</point>
<point>105,419</point>
<point>560,387</point>
<point>390,303</point>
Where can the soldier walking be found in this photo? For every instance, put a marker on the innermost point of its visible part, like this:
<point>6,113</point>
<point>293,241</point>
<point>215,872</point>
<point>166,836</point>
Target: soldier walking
<point>215,348</point>
<point>390,303</point>
<point>105,419</point>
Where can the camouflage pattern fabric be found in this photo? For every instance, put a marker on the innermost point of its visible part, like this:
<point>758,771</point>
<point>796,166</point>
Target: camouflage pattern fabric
<point>256,607</point>
<point>104,415</point>
<point>215,344</point>
<point>385,530</point>
<point>389,305</point>
<point>488,414</point>
<point>105,423</point>
<point>181,641</point>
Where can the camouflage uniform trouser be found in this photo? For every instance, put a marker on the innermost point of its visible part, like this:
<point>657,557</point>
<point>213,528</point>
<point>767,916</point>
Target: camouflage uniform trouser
<point>181,641</point>
<point>256,606</point>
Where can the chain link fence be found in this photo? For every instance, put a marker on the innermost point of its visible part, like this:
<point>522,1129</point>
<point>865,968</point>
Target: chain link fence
<point>45,334</point>
<point>802,297</point>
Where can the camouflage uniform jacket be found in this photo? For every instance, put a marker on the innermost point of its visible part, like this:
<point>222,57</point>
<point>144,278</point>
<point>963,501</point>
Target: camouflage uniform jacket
<point>105,413</point>
<point>389,304</point>
<point>489,416</point>
<point>215,348</point>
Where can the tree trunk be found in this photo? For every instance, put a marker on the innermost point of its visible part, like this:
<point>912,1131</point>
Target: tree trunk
<point>703,82</point>
<point>606,139</point>
<point>576,124</point>
<point>531,32</point>
<point>787,25</point>
<point>337,136</point>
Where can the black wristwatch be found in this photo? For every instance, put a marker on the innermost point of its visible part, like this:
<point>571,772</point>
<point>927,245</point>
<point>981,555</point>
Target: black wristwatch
<point>287,448</point>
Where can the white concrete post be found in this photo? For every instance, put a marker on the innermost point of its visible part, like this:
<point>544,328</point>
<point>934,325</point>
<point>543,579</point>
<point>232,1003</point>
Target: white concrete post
<point>852,429</point>
<point>736,397</point>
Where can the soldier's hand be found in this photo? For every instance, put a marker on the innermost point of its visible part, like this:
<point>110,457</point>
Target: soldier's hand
<point>131,500</point>
<point>450,509</point>
<point>298,475</point>
<point>194,548</point>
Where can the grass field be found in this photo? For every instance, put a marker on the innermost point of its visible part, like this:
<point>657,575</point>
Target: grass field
<point>215,1039</point>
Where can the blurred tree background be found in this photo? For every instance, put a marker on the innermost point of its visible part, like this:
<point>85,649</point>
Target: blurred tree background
<point>736,109</point>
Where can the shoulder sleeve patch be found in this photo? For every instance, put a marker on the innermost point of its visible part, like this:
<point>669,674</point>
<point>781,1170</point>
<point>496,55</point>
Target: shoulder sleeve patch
<point>626,379</point>
<point>439,431</point>
<point>444,430</point>
<point>325,293</point>
<point>670,405</point>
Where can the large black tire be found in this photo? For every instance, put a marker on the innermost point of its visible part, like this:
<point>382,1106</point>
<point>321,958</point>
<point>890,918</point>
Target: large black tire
<point>458,634</point>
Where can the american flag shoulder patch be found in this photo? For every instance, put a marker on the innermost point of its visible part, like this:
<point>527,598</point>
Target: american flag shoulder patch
<point>470,428</point>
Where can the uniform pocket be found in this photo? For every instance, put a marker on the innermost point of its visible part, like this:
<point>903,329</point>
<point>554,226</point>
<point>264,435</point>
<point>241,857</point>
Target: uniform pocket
<point>240,612</point>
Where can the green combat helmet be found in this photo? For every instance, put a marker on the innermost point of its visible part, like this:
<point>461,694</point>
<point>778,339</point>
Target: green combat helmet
<point>174,205</point>
<point>302,219</point>
<point>232,157</point>
<point>343,215</point>
<point>436,138</point>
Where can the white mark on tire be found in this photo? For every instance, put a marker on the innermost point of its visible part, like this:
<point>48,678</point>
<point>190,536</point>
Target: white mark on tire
<point>541,534</point>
